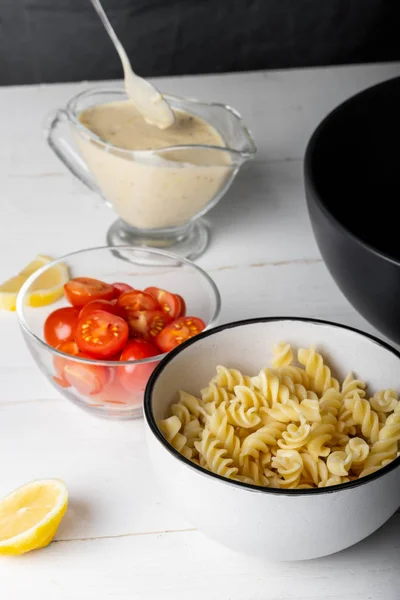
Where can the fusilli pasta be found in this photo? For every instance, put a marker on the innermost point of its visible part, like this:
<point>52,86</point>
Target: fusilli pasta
<point>287,427</point>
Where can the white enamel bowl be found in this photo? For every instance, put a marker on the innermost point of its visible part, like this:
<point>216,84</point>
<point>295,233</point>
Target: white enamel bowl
<point>272,524</point>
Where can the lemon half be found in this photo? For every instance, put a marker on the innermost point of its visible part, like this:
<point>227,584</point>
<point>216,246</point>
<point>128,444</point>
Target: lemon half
<point>48,288</point>
<point>30,516</point>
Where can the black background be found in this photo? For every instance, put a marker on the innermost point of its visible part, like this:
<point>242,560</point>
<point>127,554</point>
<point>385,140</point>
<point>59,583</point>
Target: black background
<point>63,40</point>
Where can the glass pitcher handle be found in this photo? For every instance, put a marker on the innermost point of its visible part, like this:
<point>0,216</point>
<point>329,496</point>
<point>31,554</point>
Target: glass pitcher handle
<point>65,152</point>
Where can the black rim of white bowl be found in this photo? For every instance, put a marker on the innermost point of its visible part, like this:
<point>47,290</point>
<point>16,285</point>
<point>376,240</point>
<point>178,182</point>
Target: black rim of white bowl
<point>149,416</point>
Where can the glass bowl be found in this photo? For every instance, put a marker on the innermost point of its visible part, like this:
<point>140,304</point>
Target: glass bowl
<point>140,268</point>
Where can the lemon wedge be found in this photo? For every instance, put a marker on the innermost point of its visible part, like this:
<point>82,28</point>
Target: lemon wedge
<point>47,288</point>
<point>30,516</point>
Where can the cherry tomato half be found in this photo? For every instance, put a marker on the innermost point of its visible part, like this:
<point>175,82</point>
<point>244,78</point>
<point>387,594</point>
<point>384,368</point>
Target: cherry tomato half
<point>60,326</point>
<point>133,301</point>
<point>177,332</point>
<point>114,393</point>
<point>86,379</point>
<point>81,290</point>
<point>59,362</point>
<point>121,288</point>
<point>170,303</point>
<point>101,334</point>
<point>182,310</point>
<point>107,305</point>
<point>147,324</point>
<point>134,377</point>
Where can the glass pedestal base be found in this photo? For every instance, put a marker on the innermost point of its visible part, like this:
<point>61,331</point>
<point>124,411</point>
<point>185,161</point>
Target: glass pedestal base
<point>186,242</point>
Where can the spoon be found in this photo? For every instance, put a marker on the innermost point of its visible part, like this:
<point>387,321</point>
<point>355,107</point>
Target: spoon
<point>147,99</point>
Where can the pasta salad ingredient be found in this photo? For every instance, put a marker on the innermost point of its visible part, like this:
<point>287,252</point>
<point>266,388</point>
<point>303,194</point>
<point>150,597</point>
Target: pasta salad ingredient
<point>291,426</point>
<point>114,322</point>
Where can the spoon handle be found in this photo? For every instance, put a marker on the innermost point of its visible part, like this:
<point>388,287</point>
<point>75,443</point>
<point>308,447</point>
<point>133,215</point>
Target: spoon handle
<point>108,27</point>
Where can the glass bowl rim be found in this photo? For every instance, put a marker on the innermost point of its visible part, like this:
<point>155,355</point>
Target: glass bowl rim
<point>70,112</point>
<point>110,363</point>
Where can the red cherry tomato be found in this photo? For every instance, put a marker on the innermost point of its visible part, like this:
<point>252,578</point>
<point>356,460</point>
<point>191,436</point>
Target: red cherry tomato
<point>86,379</point>
<point>147,324</point>
<point>170,303</point>
<point>107,305</point>
<point>177,332</point>
<point>81,290</point>
<point>134,377</point>
<point>133,301</point>
<point>59,362</point>
<point>101,334</point>
<point>114,393</point>
<point>121,288</point>
<point>60,326</point>
<point>182,309</point>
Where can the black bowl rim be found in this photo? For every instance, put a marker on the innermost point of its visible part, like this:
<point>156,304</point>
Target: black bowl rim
<point>309,179</point>
<point>149,416</point>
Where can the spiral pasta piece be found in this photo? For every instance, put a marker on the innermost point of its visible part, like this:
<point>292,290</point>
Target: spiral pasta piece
<point>331,402</point>
<point>314,470</point>
<point>239,416</point>
<point>260,440</point>
<point>170,428</point>
<point>225,434</point>
<point>317,370</point>
<point>319,437</point>
<point>293,411</point>
<point>228,378</point>
<point>282,356</point>
<point>384,401</point>
<point>194,405</point>
<point>333,480</point>
<point>302,393</point>
<point>215,456</point>
<point>271,387</point>
<point>363,415</point>
<point>295,436</point>
<point>248,398</point>
<point>289,465</point>
<point>215,394</point>
<point>385,449</point>
<point>251,468</point>
<point>296,374</point>
<point>339,463</point>
<point>192,432</point>
<point>351,386</point>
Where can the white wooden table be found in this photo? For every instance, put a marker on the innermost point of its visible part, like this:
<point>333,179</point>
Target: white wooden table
<point>120,539</point>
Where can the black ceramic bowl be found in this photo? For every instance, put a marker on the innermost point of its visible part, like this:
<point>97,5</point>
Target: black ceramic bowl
<point>352,183</point>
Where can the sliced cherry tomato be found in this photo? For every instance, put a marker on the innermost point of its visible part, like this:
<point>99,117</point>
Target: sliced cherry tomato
<point>177,332</point>
<point>169,303</point>
<point>86,379</point>
<point>60,326</point>
<point>60,381</point>
<point>114,393</point>
<point>121,288</point>
<point>147,324</point>
<point>134,377</point>
<point>133,301</point>
<point>107,305</point>
<point>81,290</point>
<point>182,309</point>
<point>59,362</point>
<point>101,334</point>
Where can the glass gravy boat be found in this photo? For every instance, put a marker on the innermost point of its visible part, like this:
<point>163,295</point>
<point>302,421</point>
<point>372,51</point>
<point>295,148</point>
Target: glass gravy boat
<point>160,194</point>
